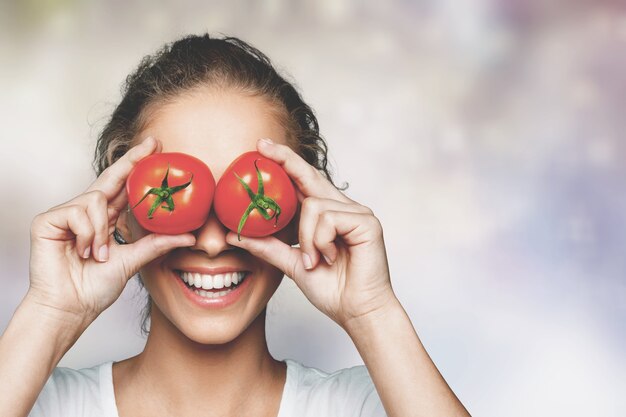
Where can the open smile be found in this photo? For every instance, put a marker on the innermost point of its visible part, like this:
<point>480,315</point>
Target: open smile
<point>217,290</point>
<point>212,286</point>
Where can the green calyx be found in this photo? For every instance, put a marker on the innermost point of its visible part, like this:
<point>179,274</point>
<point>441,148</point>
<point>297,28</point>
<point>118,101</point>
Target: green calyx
<point>258,201</point>
<point>164,194</point>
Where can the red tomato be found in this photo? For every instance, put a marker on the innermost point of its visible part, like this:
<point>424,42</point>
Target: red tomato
<point>170,193</point>
<point>255,197</point>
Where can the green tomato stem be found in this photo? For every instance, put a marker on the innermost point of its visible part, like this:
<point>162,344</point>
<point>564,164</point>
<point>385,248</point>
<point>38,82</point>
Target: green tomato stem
<point>164,194</point>
<point>258,201</point>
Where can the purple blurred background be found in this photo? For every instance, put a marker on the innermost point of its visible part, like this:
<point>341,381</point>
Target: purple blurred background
<point>486,136</point>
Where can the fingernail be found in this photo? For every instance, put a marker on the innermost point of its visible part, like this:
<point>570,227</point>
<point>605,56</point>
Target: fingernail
<point>307,261</point>
<point>328,261</point>
<point>103,253</point>
<point>266,141</point>
<point>86,253</point>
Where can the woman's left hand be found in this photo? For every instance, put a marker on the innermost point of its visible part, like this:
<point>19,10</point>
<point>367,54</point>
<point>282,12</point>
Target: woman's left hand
<point>355,281</point>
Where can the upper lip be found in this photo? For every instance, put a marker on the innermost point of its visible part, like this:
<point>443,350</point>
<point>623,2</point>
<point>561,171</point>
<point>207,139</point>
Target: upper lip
<point>210,271</point>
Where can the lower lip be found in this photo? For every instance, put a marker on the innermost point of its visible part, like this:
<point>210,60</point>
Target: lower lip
<point>214,303</point>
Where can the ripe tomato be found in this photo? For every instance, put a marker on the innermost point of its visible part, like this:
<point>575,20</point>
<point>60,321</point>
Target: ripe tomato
<point>255,197</point>
<point>170,193</point>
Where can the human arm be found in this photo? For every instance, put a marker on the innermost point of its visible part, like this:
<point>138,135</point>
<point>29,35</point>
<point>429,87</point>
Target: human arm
<point>406,379</point>
<point>71,281</point>
<point>31,346</point>
<point>353,288</point>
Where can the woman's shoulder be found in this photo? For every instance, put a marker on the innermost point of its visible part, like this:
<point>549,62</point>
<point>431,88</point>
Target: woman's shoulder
<point>344,392</point>
<point>73,392</point>
<point>309,376</point>
<point>70,377</point>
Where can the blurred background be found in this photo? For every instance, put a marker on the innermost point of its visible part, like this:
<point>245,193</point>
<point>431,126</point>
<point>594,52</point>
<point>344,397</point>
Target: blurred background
<point>487,136</point>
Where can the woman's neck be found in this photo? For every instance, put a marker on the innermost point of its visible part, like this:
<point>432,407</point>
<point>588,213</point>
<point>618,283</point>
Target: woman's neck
<point>233,378</point>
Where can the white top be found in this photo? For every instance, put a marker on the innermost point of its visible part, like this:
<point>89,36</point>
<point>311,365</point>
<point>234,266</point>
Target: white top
<point>308,392</point>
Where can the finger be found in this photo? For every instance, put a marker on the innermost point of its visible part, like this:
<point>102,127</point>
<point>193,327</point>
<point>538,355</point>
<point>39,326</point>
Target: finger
<point>308,179</point>
<point>353,228</point>
<point>97,211</point>
<point>100,216</point>
<point>270,249</point>
<point>325,235</point>
<point>300,196</point>
<point>69,222</point>
<point>310,213</point>
<point>120,201</point>
<point>113,179</point>
<point>133,256</point>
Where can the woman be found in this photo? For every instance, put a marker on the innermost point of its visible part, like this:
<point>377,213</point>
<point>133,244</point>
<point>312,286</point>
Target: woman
<point>214,99</point>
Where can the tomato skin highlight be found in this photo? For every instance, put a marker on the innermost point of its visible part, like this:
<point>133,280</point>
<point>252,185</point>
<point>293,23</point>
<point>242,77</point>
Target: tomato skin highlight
<point>232,200</point>
<point>191,204</point>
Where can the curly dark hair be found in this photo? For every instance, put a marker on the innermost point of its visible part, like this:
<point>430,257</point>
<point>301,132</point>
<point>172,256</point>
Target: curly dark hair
<point>199,60</point>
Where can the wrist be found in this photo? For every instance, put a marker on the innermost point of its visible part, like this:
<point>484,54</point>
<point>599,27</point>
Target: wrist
<point>374,318</point>
<point>33,343</point>
<point>67,324</point>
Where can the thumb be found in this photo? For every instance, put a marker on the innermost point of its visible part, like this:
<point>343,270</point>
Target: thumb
<point>135,255</point>
<point>272,250</point>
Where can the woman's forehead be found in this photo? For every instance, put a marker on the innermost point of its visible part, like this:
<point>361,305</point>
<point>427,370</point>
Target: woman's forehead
<point>214,126</point>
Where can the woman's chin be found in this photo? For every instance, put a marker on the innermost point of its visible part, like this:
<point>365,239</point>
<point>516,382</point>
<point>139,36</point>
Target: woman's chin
<point>212,333</point>
<point>216,332</point>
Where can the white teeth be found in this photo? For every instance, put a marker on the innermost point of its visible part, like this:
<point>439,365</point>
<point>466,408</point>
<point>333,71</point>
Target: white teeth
<point>209,294</point>
<point>218,281</point>
<point>208,282</point>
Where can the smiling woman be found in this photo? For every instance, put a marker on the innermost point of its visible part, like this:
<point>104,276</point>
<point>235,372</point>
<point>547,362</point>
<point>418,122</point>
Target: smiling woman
<point>213,99</point>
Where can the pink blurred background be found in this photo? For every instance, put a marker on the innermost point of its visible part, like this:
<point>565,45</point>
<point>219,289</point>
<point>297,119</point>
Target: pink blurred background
<point>486,136</point>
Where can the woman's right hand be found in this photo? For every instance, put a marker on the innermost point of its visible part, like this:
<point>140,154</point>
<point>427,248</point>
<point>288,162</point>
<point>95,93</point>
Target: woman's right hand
<point>75,265</point>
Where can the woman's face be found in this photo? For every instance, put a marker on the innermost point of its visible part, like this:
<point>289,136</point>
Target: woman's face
<point>215,126</point>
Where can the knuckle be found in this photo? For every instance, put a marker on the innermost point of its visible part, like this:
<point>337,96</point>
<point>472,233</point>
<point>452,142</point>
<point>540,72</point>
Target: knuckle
<point>282,149</point>
<point>326,217</point>
<point>76,210</point>
<point>310,204</point>
<point>308,176</point>
<point>36,222</point>
<point>82,220</point>
<point>157,245</point>
<point>375,225</point>
<point>365,209</point>
<point>97,197</point>
<point>311,174</point>
<point>133,155</point>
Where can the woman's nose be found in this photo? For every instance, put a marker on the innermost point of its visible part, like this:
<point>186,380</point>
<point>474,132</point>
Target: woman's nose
<point>211,237</point>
